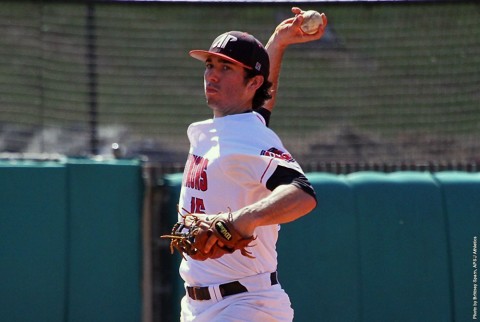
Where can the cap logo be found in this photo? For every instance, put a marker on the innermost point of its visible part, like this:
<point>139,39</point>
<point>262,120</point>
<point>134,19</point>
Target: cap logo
<point>258,66</point>
<point>222,41</point>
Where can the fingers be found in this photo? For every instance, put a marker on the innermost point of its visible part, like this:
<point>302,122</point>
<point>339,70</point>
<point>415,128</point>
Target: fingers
<point>299,19</point>
<point>211,241</point>
<point>293,20</point>
<point>296,10</point>
<point>325,21</point>
<point>210,250</point>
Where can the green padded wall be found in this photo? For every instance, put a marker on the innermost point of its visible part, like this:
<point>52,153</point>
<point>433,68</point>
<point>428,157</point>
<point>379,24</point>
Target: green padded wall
<point>404,272</point>
<point>70,241</point>
<point>462,204</point>
<point>105,241</point>
<point>33,241</point>
<point>318,255</point>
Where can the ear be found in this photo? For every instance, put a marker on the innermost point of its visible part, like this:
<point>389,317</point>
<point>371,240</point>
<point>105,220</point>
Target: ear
<point>255,82</point>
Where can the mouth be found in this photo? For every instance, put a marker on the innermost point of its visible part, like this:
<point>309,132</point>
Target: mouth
<point>209,89</point>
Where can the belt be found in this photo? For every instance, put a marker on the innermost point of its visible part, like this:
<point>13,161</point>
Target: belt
<point>232,288</point>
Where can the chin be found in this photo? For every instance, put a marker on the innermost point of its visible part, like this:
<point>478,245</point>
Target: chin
<point>211,103</point>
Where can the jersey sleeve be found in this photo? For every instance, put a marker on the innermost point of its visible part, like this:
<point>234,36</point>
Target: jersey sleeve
<point>283,175</point>
<point>258,169</point>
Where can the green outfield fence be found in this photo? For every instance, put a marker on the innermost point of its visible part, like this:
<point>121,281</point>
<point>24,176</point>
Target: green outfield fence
<point>379,247</point>
<point>70,240</point>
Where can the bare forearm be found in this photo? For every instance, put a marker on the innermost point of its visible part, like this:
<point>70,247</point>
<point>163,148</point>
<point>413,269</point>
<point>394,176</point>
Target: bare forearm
<point>275,53</point>
<point>286,203</point>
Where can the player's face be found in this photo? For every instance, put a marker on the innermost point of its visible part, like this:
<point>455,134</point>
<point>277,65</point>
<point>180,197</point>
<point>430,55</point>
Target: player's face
<point>226,90</point>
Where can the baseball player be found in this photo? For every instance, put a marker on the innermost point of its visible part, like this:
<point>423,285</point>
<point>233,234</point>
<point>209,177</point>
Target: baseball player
<point>239,170</point>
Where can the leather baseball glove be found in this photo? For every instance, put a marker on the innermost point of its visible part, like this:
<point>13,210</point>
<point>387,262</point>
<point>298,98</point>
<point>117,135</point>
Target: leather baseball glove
<point>190,235</point>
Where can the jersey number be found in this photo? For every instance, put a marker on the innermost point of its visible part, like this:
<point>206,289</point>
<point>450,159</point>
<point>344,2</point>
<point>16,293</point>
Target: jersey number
<point>197,206</point>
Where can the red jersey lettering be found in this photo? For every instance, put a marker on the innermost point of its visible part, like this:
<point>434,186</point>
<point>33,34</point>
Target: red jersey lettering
<point>196,176</point>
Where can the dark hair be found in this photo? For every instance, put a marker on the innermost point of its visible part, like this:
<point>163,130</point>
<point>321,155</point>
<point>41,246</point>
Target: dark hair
<point>262,94</point>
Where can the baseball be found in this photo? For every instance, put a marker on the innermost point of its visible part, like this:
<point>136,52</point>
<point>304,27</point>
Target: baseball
<point>312,20</point>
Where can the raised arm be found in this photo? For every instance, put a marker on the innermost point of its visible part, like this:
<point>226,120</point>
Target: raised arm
<point>288,32</point>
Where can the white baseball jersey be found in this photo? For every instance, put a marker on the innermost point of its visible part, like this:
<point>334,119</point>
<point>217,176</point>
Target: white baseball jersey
<point>230,161</point>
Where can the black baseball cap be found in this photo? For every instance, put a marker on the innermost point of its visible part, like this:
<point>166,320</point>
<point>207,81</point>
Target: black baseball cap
<point>240,48</point>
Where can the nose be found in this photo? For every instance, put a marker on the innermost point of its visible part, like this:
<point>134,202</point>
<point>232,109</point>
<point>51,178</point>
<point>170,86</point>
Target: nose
<point>211,75</point>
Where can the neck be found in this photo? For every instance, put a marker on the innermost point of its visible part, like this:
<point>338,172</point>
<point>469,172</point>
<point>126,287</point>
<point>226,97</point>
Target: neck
<point>231,111</point>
